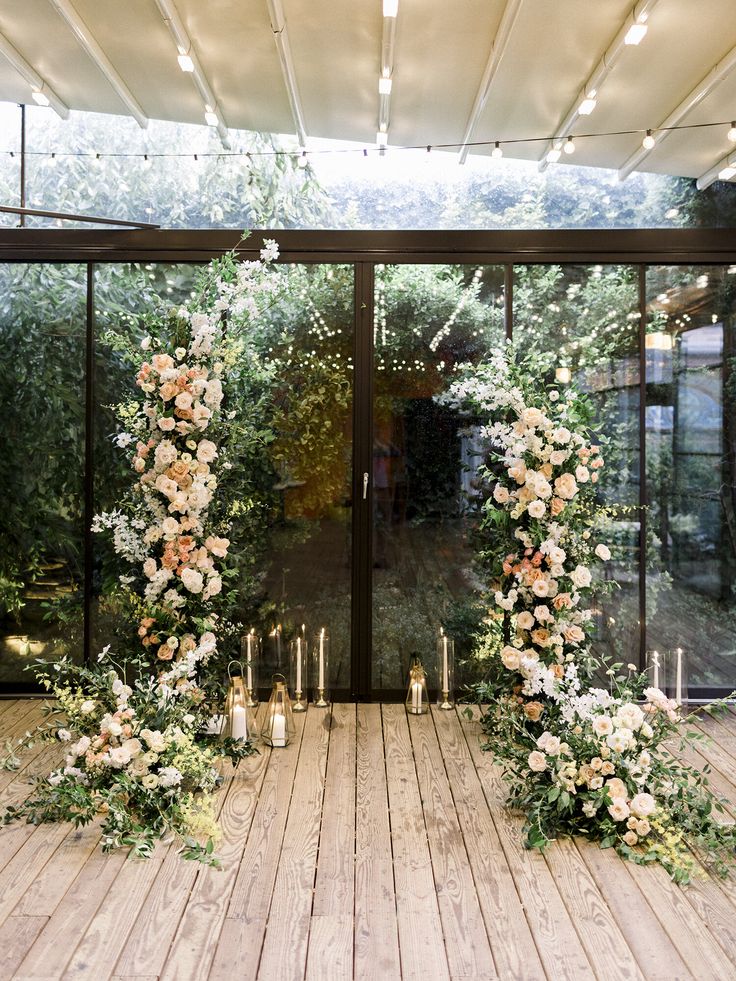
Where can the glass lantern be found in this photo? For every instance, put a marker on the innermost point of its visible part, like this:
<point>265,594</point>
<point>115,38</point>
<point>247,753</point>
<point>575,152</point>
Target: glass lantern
<point>445,671</point>
<point>298,649</point>
<point>238,722</point>
<point>276,644</point>
<point>417,700</point>
<point>656,669</point>
<point>321,668</point>
<point>250,652</point>
<point>676,681</point>
<point>278,727</point>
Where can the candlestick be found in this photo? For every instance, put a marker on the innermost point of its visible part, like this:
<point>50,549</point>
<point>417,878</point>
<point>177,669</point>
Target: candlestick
<point>678,684</point>
<point>298,685</point>
<point>445,671</point>
<point>298,672</point>
<point>320,666</point>
<point>250,647</point>
<point>249,659</point>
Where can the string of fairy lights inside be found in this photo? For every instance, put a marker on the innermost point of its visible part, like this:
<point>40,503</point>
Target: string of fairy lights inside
<point>566,145</point>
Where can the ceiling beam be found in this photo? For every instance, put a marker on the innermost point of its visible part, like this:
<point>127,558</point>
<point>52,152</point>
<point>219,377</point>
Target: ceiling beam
<point>726,163</point>
<point>508,17</point>
<point>87,40</point>
<point>29,75</point>
<point>388,48</point>
<point>281,37</point>
<point>185,46</point>
<point>692,100</point>
<point>638,14</point>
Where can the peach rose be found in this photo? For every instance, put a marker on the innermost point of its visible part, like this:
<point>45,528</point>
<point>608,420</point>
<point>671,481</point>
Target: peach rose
<point>533,711</point>
<point>557,506</point>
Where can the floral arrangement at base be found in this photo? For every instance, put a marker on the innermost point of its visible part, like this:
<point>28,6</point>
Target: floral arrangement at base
<point>134,725</point>
<point>580,758</point>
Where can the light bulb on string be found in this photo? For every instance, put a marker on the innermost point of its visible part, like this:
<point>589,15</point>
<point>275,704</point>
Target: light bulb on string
<point>146,162</point>
<point>302,161</point>
<point>569,145</point>
<point>497,152</point>
<point>648,141</point>
<point>732,133</point>
<point>52,160</point>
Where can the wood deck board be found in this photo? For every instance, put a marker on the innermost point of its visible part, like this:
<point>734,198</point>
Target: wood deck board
<point>374,848</point>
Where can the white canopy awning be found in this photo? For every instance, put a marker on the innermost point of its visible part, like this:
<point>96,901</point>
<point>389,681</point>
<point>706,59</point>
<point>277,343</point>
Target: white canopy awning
<point>461,71</point>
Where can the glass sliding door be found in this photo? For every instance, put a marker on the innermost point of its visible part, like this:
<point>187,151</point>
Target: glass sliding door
<point>691,461</point>
<point>583,323</point>
<point>428,320</point>
<point>42,356</point>
<point>293,386</point>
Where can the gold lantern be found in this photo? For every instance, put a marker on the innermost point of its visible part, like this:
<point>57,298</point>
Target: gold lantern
<point>237,723</point>
<point>417,699</point>
<point>278,727</point>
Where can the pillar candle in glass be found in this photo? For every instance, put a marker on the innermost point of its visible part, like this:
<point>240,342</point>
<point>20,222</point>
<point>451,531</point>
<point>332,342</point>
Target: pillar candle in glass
<point>250,652</point>
<point>298,650</point>
<point>321,668</point>
<point>417,699</point>
<point>677,676</point>
<point>278,726</point>
<point>238,719</point>
<point>445,671</point>
<point>276,640</point>
<point>657,669</point>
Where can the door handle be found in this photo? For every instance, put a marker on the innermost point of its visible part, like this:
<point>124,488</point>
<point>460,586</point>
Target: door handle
<point>365,486</point>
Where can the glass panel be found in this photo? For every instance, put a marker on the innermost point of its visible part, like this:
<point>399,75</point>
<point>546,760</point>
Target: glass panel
<point>428,320</point>
<point>691,433</point>
<point>584,322</point>
<point>43,327</point>
<point>292,526</point>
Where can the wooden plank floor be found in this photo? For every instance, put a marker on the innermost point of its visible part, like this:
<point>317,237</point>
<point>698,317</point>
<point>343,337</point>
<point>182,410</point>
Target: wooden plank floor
<point>375,846</point>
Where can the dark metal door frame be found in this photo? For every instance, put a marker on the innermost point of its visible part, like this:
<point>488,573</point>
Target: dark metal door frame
<point>364,249</point>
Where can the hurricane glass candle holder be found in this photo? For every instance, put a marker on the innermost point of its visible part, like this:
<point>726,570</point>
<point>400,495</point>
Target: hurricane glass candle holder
<point>250,652</point>
<point>278,727</point>
<point>417,699</point>
<point>238,721</point>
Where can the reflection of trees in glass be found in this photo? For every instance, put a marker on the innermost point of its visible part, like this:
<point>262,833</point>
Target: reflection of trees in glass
<point>691,567</point>
<point>42,325</point>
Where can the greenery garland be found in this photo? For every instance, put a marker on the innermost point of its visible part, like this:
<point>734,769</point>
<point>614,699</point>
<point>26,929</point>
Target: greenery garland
<point>580,758</point>
<point>134,725</point>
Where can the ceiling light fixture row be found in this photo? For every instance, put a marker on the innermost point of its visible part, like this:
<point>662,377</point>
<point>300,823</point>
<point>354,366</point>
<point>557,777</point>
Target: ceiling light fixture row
<point>630,34</point>
<point>385,78</point>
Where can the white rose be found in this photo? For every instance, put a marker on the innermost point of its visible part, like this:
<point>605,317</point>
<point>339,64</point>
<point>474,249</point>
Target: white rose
<point>556,555</point>
<point>552,746</point>
<point>183,400</point>
<point>64,735</point>
<point>206,451</point>
<point>119,756</point>
<point>500,494</point>
<point>566,486</point>
<point>619,809</point>
<point>511,658</point>
<point>582,474</point>
<point>581,576</point>
<point>540,587</point>
<point>542,487</point>
<point>170,526</point>
<point>602,725</point>
<point>149,568</point>
<point>537,761</point>
<point>192,580</point>
<point>561,435</point>
<point>603,552</point>
<point>166,423</point>
<point>525,620</point>
<point>536,509</point>
<point>531,417</point>
<point>87,707</point>
<point>558,457</point>
<point>145,343</point>
<point>643,805</point>
<point>618,741</point>
<point>150,781</point>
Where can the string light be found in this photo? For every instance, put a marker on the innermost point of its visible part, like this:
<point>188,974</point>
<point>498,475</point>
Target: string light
<point>497,146</point>
<point>569,145</point>
<point>302,161</point>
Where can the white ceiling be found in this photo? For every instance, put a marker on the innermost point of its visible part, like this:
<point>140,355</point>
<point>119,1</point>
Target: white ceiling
<point>440,53</point>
